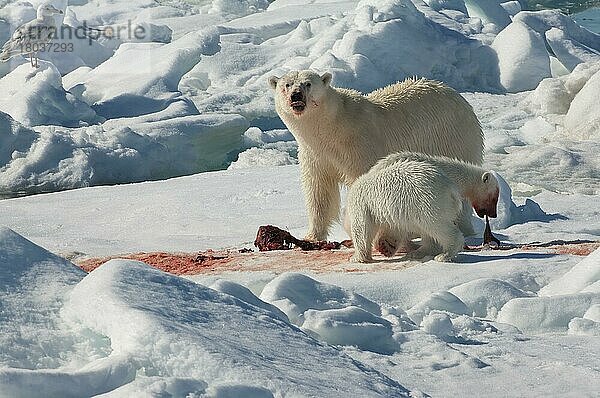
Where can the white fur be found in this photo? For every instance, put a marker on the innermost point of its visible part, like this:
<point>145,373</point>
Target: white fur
<point>342,133</point>
<point>415,194</point>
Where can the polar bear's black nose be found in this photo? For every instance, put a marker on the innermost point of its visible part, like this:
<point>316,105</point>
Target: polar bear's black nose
<point>297,96</point>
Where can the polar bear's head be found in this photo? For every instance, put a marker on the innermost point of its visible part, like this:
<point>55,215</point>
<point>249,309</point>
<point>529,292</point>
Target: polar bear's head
<point>299,92</point>
<point>485,197</point>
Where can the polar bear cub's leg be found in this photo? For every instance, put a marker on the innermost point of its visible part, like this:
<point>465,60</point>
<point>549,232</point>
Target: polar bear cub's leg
<point>451,240</point>
<point>363,230</point>
<point>387,242</point>
<point>362,226</point>
<point>445,228</point>
<point>428,248</point>
<point>464,221</point>
<point>442,230</point>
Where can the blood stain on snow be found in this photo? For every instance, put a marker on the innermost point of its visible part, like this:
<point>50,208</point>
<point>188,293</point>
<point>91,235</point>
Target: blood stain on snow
<point>577,249</point>
<point>319,261</point>
<point>234,260</point>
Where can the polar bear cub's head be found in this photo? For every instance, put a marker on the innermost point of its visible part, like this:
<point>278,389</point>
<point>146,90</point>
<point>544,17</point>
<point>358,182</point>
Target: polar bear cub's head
<point>484,197</point>
<point>299,92</point>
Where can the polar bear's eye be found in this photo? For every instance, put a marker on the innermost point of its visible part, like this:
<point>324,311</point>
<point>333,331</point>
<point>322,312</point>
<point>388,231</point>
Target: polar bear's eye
<point>287,85</point>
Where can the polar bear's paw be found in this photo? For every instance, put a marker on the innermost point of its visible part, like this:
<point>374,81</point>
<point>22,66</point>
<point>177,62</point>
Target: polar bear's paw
<point>418,254</point>
<point>315,237</point>
<point>445,257</point>
<point>359,258</point>
<point>407,246</point>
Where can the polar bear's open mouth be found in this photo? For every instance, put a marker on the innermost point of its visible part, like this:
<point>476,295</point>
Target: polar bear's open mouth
<point>298,106</point>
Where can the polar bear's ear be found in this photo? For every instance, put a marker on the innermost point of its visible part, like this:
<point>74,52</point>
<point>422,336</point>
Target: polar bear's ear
<point>273,82</point>
<point>486,177</point>
<point>326,77</point>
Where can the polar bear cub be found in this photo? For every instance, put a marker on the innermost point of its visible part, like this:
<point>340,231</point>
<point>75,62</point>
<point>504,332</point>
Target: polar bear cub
<point>414,194</point>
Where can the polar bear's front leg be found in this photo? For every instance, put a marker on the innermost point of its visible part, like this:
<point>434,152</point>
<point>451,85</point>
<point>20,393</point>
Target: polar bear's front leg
<point>320,184</point>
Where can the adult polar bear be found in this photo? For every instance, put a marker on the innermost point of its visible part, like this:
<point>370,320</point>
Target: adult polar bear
<point>342,133</point>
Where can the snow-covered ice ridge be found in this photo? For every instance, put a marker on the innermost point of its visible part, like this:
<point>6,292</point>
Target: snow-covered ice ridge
<point>180,98</point>
<point>512,324</point>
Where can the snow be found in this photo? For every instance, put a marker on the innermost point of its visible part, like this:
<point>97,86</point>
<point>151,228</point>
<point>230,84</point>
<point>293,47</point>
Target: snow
<point>438,5</point>
<point>522,57</point>
<point>546,314</point>
<point>38,98</point>
<point>550,97</point>
<point>14,137</point>
<point>437,324</point>
<point>511,7</point>
<point>271,195</point>
<point>40,350</point>
<point>569,52</point>
<point>144,76</point>
<point>351,46</point>
<point>593,313</point>
<point>490,11</point>
<point>485,296</point>
<point>542,21</point>
<point>589,324</point>
<point>132,320</point>
<point>261,157</point>
<point>125,150</point>
<point>80,50</point>
<point>192,96</point>
<point>437,301</point>
<point>33,278</point>
<point>549,157</point>
<point>295,293</point>
<point>179,329</point>
<point>243,293</point>
<point>568,102</point>
<point>582,326</point>
<point>511,214</point>
<point>583,118</point>
<point>351,326</point>
<point>578,279</point>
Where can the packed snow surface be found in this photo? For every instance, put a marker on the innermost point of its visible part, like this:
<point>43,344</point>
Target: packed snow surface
<point>127,329</point>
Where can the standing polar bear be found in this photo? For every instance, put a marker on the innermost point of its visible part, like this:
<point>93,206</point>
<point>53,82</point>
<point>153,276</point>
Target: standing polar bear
<point>342,133</point>
<point>416,194</point>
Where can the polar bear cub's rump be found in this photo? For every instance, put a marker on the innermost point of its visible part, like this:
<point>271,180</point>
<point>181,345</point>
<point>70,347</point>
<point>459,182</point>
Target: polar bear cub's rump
<point>414,194</point>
